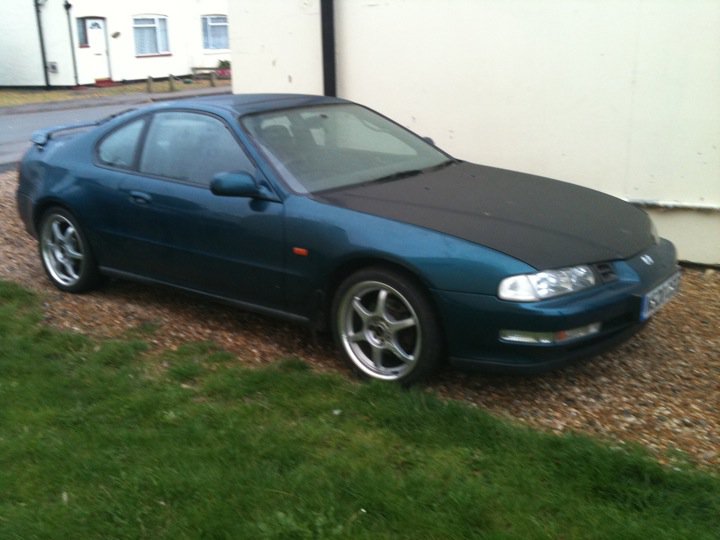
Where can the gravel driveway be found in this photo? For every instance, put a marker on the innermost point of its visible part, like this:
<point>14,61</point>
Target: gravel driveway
<point>661,389</point>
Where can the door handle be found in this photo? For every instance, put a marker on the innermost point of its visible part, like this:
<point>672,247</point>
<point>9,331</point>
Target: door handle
<point>138,197</point>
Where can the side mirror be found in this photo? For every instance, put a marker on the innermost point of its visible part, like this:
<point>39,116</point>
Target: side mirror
<point>235,184</point>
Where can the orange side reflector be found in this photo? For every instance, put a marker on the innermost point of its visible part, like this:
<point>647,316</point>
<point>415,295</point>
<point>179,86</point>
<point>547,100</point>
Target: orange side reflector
<point>302,252</point>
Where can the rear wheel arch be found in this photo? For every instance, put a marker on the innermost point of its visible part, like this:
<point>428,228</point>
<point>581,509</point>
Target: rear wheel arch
<point>41,209</point>
<point>65,251</point>
<point>43,206</point>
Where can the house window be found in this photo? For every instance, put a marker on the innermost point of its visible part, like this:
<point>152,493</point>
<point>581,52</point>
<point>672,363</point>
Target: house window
<point>151,35</point>
<point>215,32</point>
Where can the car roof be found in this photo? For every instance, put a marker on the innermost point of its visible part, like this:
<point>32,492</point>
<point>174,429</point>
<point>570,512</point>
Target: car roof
<point>253,103</point>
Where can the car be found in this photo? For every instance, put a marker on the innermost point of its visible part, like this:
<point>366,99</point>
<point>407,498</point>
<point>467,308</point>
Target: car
<point>324,212</point>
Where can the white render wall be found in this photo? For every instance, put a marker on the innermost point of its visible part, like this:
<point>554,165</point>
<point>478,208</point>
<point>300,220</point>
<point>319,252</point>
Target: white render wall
<point>276,46</point>
<point>618,95</point>
<point>20,59</point>
<point>21,63</point>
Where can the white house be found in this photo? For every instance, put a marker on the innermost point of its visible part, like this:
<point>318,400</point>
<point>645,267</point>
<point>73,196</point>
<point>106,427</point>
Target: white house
<point>66,43</point>
<point>619,95</point>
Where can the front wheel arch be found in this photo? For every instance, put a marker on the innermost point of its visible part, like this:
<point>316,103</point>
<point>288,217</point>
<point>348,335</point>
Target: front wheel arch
<point>342,272</point>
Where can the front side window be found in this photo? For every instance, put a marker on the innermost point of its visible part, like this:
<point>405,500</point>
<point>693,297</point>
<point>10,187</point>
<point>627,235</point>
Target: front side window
<point>151,35</point>
<point>215,32</point>
<point>118,149</point>
<point>191,147</point>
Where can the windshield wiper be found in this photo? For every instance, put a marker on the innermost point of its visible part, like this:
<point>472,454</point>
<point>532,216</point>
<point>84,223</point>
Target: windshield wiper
<point>415,172</point>
<point>398,175</point>
<point>451,161</point>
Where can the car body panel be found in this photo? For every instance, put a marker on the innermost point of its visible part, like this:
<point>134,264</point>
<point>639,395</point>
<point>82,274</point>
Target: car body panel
<point>183,234</point>
<point>543,222</point>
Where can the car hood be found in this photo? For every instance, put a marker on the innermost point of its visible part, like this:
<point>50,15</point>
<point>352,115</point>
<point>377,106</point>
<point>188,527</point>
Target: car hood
<point>545,223</point>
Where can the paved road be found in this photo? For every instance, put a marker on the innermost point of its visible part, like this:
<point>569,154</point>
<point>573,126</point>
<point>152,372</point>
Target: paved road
<point>15,129</point>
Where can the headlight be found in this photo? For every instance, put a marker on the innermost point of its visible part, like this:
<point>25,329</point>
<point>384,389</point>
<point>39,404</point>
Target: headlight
<point>546,284</point>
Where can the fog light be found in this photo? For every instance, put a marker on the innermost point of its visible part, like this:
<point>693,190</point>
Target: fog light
<point>518,336</point>
<point>549,338</point>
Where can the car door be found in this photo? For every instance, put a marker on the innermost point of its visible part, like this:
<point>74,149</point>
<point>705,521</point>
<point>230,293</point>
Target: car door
<point>178,232</point>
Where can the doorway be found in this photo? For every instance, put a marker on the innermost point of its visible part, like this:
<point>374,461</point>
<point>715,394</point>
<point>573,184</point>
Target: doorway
<point>93,41</point>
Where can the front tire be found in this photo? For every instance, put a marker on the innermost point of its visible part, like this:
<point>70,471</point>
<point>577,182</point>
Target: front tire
<point>65,252</point>
<point>386,327</point>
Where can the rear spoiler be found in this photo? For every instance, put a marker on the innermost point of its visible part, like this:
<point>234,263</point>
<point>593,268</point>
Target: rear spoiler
<point>42,136</point>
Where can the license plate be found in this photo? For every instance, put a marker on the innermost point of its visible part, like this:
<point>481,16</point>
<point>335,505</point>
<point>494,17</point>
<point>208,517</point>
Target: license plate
<point>659,296</point>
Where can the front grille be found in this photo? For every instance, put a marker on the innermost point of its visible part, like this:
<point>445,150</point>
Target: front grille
<point>605,271</point>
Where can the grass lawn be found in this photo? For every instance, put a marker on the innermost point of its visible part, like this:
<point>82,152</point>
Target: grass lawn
<point>10,97</point>
<point>101,439</point>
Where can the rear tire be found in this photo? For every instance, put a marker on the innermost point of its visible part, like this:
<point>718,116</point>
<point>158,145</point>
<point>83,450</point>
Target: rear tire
<point>65,252</point>
<point>386,327</point>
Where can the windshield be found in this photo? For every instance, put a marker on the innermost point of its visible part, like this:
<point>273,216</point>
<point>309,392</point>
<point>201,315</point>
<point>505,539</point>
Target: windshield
<point>334,146</point>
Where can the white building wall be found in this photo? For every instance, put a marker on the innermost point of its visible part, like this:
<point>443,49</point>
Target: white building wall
<point>57,47</point>
<point>20,59</point>
<point>276,46</point>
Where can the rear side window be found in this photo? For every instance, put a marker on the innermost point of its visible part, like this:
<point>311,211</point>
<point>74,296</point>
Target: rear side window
<point>191,147</point>
<point>119,148</point>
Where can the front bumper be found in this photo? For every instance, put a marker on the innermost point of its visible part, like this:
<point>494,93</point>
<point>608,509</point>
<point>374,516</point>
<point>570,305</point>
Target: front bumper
<point>473,322</point>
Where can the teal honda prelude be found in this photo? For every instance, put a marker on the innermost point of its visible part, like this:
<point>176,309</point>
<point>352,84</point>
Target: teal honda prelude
<point>327,213</point>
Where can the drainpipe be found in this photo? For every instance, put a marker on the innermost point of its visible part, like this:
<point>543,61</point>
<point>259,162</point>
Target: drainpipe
<point>68,6</point>
<point>327,22</point>
<point>38,5</point>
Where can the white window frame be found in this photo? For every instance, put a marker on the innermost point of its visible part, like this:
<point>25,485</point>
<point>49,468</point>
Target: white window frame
<point>207,22</point>
<point>159,24</point>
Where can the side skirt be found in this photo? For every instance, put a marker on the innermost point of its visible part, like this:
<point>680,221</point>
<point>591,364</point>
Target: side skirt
<point>247,306</point>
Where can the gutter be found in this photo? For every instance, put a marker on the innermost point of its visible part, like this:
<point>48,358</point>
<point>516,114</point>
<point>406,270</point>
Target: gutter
<point>68,6</point>
<point>42,40</point>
